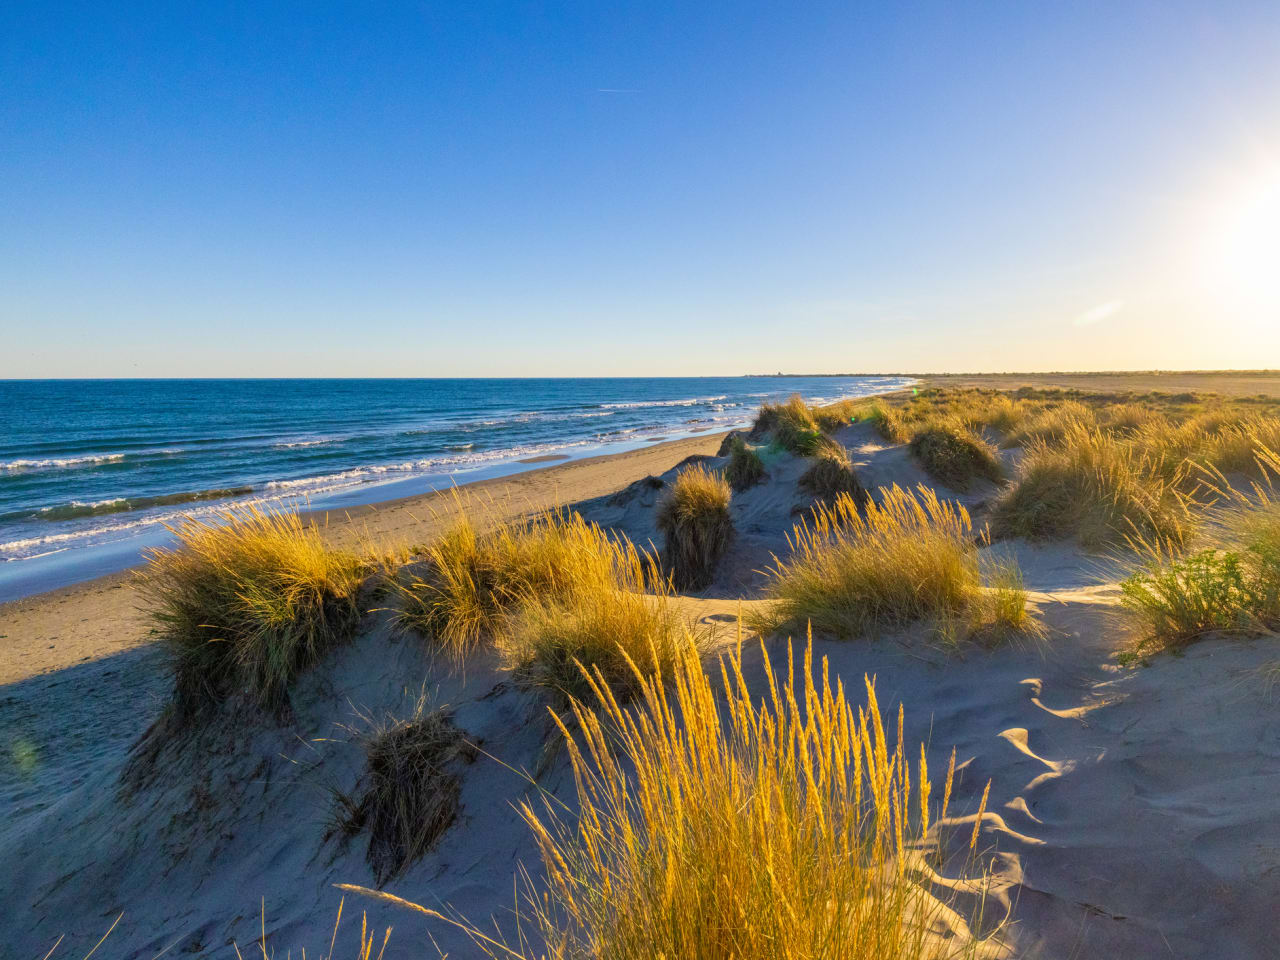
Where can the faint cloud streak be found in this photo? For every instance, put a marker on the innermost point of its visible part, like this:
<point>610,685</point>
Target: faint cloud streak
<point>1099,313</point>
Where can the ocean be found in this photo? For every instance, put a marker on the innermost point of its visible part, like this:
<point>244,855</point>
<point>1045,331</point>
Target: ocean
<point>90,471</point>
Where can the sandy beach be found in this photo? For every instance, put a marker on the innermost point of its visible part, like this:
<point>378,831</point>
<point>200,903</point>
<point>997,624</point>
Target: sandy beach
<point>1127,807</point>
<point>87,621</point>
<point>449,509</point>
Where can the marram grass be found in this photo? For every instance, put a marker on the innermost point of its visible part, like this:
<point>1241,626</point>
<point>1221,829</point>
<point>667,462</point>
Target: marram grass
<point>247,603</point>
<point>1231,585</point>
<point>831,474</point>
<point>713,824</point>
<point>473,580</point>
<point>696,526</point>
<point>610,630</point>
<point>555,591</point>
<point>956,457</point>
<point>1093,486</point>
<point>745,468</point>
<point>907,557</point>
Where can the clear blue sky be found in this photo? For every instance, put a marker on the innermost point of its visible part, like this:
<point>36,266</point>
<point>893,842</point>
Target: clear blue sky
<point>652,188</point>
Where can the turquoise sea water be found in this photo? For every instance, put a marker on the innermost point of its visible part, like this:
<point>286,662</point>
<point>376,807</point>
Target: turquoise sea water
<point>90,470</point>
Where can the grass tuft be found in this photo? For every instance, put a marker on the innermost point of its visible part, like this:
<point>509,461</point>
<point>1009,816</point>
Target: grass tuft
<point>696,526</point>
<point>247,604</point>
<point>792,412</point>
<point>1093,486</point>
<point>408,796</point>
<point>714,824</point>
<point>832,474</point>
<point>907,558</point>
<point>834,416</point>
<point>888,420</point>
<point>745,468</point>
<point>633,629</point>
<point>956,457</point>
<point>472,581</point>
<point>1051,425</point>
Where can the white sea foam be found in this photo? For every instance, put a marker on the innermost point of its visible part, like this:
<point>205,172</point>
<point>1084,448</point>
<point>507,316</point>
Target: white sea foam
<point>635,405</point>
<point>56,463</point>
<point>87,505</point>
<point>317,442</point>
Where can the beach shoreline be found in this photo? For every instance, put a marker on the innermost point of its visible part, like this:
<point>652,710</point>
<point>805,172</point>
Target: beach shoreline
<point>96,617</point>
<point>68,625</point>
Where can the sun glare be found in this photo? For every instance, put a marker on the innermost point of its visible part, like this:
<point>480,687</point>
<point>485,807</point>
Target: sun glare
<point>1244,247</point>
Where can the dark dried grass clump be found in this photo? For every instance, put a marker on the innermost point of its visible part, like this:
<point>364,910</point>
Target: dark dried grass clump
<point>745,468</point>
<point>831,475</point>
<point>696,526</point>
<point>409,795</point>
<point>956,457</point>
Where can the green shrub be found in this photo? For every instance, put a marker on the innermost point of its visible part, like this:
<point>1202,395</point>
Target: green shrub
<point>1231,587</point>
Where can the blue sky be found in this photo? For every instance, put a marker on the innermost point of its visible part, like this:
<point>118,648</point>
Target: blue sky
<point>595,189</point>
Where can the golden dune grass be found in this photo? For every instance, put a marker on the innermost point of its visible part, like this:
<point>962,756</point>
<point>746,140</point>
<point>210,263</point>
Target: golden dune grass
<point>1091,485</point>
<point>247,603</point>
<point>745,468</point>
<point>715,824</point>
<point>908,557</point>
<point>831,474</point>
<point>956,457</point>
<point>553,592</point>
<point>696,526</point>
<point>610,630</point>
<point>1052,424</point>
<point>473,580</point>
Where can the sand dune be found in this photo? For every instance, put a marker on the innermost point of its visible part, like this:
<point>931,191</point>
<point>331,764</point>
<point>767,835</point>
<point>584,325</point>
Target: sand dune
<point>1131,810</point>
